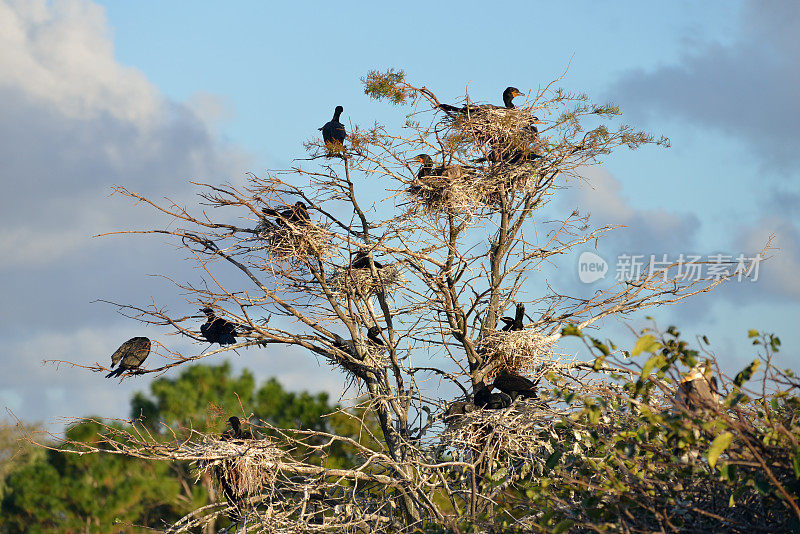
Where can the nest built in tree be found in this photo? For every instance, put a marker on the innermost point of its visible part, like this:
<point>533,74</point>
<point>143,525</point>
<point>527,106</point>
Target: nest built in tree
<point>242,468</point>
<point>349,281</point>
<point>523,430</point>
<point>523,351</point>
<point>493,124</point>
<point>290,241</point>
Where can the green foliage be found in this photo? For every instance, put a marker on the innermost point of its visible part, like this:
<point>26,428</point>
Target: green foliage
<point>389,85</point>
<point>631,458</point>
<point>68,493</point>
<point>49,491</point>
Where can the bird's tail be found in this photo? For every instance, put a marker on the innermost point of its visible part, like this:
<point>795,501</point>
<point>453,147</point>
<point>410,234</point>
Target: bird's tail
<point>447,108</point>
<point>116,372</point>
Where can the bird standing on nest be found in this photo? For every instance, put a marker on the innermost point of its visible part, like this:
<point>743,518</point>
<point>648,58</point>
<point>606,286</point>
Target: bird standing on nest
<point>297,214</point>
<point>698,389</point>
<point>515,324</point>
<point>508,96</point>
<point>333,133</point>
<point>456,409</point>
<point>217,329</point>
<point>130,355</point>
<point>515,385</point>
<point>484,398</point>
<point>235,431</point>
<point>361,261</point>
<point>374,335</point>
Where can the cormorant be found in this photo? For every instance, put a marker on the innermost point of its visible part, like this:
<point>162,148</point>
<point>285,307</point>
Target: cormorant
<point>456,409</point>
<point>515,385</point>
<point>484,398</point>
<point>297,214</point>
<point>130,355</point>
<point>235,431</point>
<point>333,132</point>
<point>508,95</point>
<point>515,324</point>
<point>374,335</point>
<point>217,329</point>
<point>427,165</point>
<point>698,390</point>
<point>361,261</point>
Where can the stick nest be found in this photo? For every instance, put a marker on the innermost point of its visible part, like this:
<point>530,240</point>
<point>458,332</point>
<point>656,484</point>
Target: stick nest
<point>520,431</point>
<point>498,125</point>
<point>468,191</point>
<point>246,466</point>
<point>522,351</point>
<point>348,281</point>
<point>290,242</point>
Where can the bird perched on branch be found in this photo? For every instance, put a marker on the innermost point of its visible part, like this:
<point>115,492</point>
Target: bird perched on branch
<point>484,398</point>
<point>508,96</point>
<point>515,324</point>
<point>217,329</point>
<point>130,355</point>
<point>361,261</point>
<point>698,389</point>
<point>333,133</point>
<point>297,214</point>
<point>515,385</point>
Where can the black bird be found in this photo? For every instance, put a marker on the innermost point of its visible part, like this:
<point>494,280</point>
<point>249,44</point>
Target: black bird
<point>374,335</point>
<point>515,324</point>
<point>130,355</point>
<point>427,165</point>
<point>333,132</point>
<point>515,385</point>
<point>235,431</point>
<point>361,261</point>
<point>484,398</point>
<point>217,329</point>
<point>508,96</point>
<point>456,409</point>
<point>297,214</point>
<point>698,390</point>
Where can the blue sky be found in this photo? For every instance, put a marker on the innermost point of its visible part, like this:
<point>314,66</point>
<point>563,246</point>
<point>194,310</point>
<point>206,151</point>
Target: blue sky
<point>151,94</point>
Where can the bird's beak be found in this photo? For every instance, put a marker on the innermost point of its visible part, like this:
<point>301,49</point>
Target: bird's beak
<point>519,94</point>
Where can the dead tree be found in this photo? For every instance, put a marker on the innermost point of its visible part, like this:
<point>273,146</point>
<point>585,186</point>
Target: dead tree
<point>441,258</point>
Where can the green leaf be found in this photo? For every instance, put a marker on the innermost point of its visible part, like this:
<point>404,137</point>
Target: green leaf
<point>752,333</point>
<point>552,460</point>
<point>657,360</point>
<point>796,465</point>
<point>646,343</point>
<point>563,526</point>
<point>719,444</point>
<point>571,330</point>
<point>746,373</point>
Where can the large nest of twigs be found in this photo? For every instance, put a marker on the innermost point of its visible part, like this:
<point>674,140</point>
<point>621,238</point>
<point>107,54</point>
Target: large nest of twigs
<point>467,191</point>
<point>522,351</point>
<point>348,281</point>
<point>289,241</point>
<point>520,431</point>
<point>375,356</point>
<point>241,467</point>
<point>494,124</point>
<point>455,191</point>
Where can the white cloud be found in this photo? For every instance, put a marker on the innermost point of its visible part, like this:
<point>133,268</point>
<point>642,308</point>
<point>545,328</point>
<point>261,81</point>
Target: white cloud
<point>73,123</point>
<point>61,54</point>
<point>746,90</point>
<point>646,231</point>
